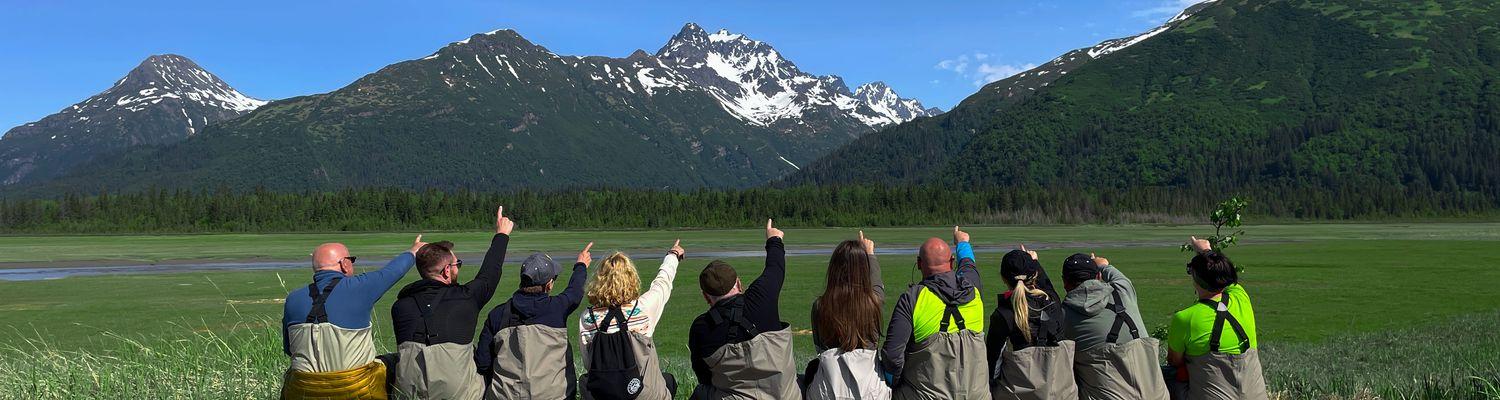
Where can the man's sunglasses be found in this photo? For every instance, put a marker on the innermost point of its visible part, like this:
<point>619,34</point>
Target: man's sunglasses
<point>351,259</point>
<point>457,263</point>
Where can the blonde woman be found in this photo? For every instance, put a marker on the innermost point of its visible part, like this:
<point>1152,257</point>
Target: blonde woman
<point>623,362</point>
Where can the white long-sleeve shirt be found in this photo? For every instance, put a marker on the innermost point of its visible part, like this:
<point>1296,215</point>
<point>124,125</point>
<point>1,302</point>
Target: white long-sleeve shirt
<point>643,313</point>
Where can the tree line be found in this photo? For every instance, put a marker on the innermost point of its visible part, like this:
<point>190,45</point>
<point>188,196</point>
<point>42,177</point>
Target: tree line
<point>384,209</point>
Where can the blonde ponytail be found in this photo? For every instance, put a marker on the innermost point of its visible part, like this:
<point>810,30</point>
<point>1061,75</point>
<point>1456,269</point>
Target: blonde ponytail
<point>1021,306</point>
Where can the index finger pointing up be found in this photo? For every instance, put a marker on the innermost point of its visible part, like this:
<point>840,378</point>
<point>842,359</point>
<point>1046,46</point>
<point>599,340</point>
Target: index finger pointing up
<point>590,246</point>
<point>500,212</point>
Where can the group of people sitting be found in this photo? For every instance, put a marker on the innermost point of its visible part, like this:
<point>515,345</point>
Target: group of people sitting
<point>938,344</point>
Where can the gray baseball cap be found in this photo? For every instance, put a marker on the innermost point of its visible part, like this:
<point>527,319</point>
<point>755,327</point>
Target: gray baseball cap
<point>537,270</point>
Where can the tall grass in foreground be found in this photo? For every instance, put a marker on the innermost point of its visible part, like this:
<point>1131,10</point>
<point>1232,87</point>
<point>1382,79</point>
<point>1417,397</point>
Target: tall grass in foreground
<point>1455,359</point>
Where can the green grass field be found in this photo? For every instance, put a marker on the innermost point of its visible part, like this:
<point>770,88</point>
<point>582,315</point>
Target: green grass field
<point>1346,311</point>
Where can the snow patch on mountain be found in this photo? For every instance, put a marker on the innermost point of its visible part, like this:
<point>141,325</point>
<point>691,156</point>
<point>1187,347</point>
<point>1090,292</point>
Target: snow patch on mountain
<point>757,84</point>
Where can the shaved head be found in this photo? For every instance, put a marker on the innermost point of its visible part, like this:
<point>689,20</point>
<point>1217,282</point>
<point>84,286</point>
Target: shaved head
<point>330,256</point>
<point>935,257</point>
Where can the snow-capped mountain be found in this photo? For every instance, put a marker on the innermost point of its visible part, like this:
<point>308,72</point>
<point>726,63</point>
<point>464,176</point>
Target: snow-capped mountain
<point>164,99</point>
<point>755,83</point>
<point>1025,83</point>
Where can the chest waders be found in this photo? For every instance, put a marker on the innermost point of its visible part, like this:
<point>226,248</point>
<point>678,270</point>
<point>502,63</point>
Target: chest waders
<point>847,375</point>
<point>530,361</point>
<point>758,368</point>
<point>1218,375</point>
<point>642,364</point>
<point>439,371</point>
<point>1121,371</point>
<point>947,365</point>
<point>1040,372</point>
<point>329,362</point>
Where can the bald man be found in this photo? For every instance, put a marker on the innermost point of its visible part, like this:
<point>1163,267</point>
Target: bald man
<point>934,346</point>
<point>326,326</point>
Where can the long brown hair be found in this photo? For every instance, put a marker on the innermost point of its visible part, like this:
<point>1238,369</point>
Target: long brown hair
<point>848,313</point>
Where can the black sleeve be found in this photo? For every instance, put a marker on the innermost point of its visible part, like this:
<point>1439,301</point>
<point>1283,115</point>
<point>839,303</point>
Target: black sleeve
<point>1045,283</point>
<point>482,288</point>
<point>482,355</point>
<point>696,336</point>
<point>763,295</point>
<point>898,335</point>
<point>994,340</point>
<point>969,271</point>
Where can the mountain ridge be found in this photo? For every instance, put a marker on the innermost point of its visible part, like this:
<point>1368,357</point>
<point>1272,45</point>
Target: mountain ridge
<point>165,98</point>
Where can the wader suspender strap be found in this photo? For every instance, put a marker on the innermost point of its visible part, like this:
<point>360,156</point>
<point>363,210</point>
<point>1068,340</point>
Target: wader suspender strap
<point>1121,318</point>
<point>737,316</point>
<point>950,310</point>
<point>1221,314</point>
<point>514,319</point>
<point>318,314</point>
<point>427,334</point>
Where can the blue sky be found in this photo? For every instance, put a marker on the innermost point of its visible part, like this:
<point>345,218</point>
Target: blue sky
<point>59,53</point>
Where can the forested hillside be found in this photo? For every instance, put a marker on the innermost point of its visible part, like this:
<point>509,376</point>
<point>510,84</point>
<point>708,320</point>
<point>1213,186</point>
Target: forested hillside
<point>1355,99</point>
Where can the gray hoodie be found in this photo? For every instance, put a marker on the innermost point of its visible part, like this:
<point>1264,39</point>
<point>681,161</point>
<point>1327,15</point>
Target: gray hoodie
<point>1088,318</point>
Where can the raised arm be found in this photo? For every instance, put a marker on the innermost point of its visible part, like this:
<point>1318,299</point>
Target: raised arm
<point>654,300</point>
<point>482,287</point>
<point>876,278</point>
<point>767,287</point>
<point>573,294</point>
<point>964,252</point>
<point>375,283</point>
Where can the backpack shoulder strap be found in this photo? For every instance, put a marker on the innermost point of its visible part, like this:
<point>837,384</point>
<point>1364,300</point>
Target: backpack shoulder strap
<point>319,313</point>
<point>1222,315</point>
<point>1122,318</point>
<point>616,316</point>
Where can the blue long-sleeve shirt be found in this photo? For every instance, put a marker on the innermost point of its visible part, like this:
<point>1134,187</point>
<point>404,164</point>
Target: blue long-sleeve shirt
<point>351,302</point>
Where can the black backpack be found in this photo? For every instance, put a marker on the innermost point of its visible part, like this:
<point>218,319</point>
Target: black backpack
<point>614,373</point>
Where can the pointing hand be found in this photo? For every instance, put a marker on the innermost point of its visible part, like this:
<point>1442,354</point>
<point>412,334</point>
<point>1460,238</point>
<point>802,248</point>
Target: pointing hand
<point>677,250</point>
<point>1199,245</point>
<point>771,231</point>
<point>1031,252</point>
<point>416,245</point>
<point>959,236</point>
<point>584,257</point>
<point>868,244</point>
<point>502,224</point>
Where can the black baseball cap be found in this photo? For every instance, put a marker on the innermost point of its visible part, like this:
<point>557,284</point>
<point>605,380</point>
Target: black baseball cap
<point>1080,267</point>
<point>1018,263</point>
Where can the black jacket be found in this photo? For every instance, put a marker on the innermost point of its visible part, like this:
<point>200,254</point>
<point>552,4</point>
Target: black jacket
<point>454,307</point>
<point>759,304</point>
<point>1046,321</point>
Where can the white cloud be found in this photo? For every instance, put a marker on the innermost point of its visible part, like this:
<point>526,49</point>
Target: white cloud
<point>987,73</point>
<point>982,72</point>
